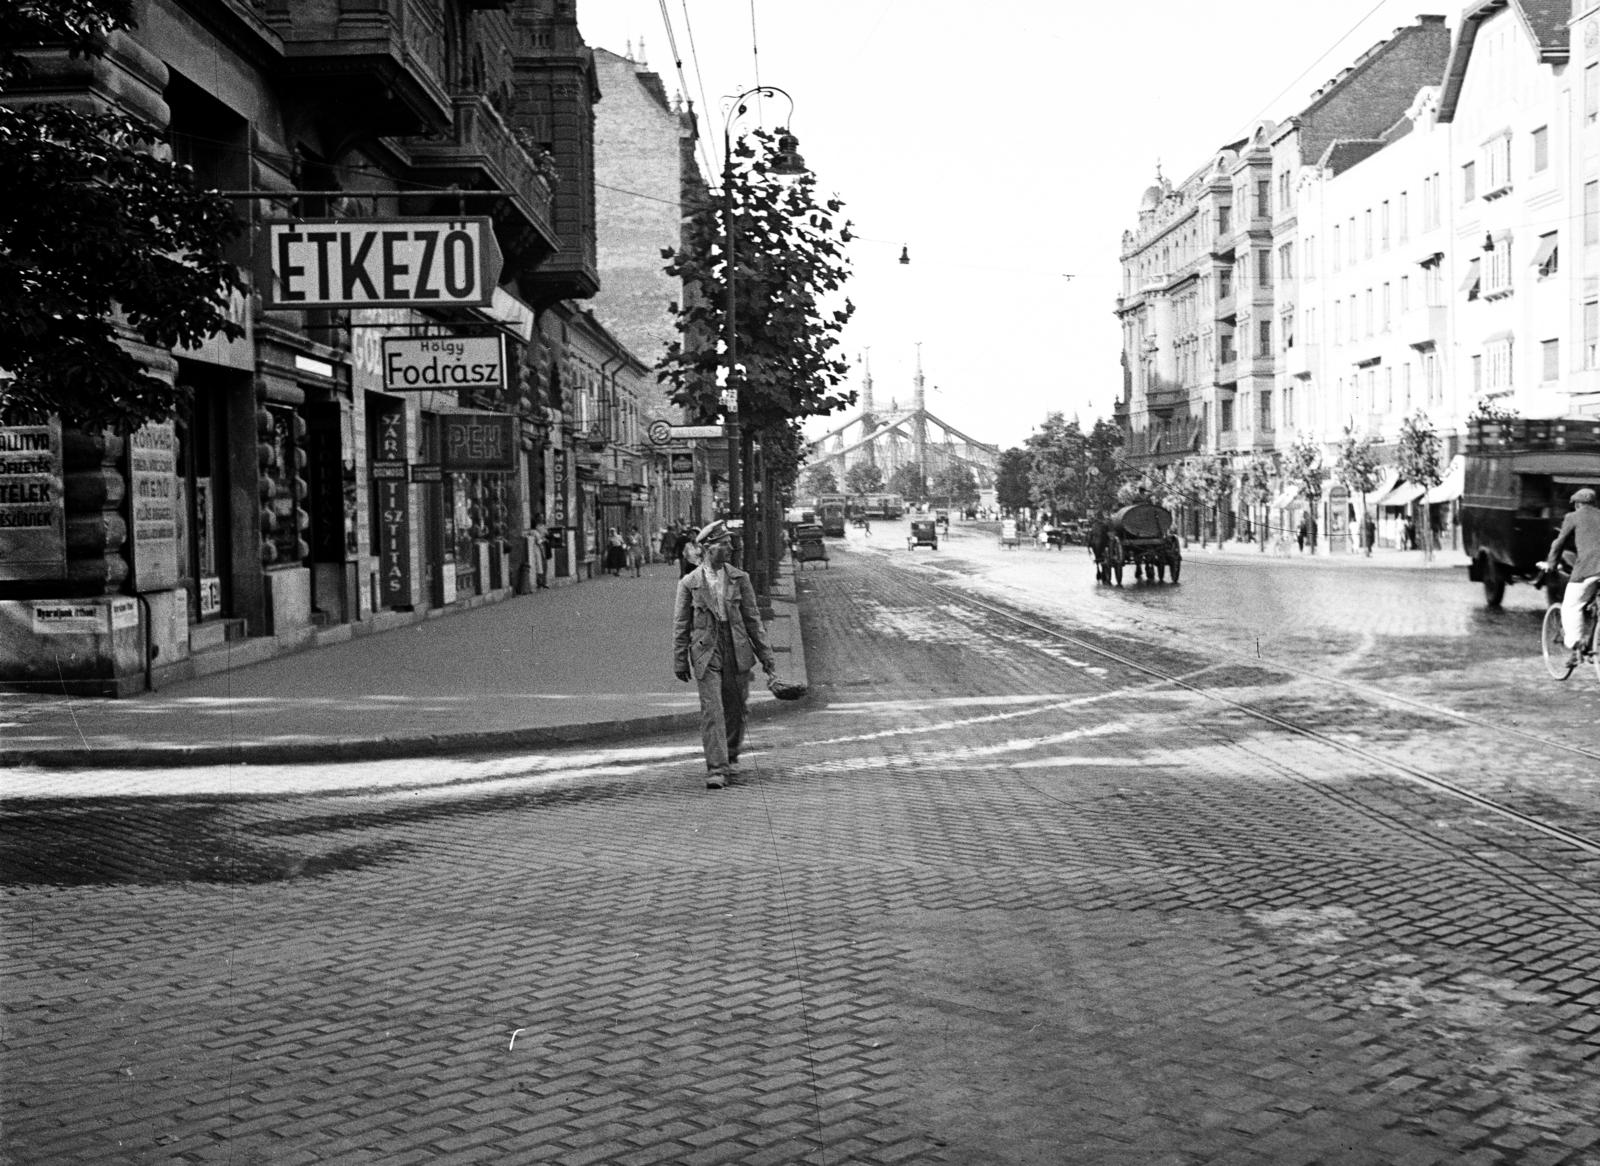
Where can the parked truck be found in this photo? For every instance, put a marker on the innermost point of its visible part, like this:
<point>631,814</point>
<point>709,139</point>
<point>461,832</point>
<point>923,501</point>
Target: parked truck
<point>1519,475</point>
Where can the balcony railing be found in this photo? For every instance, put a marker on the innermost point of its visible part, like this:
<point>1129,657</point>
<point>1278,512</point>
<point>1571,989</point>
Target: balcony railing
<point>1227,307</point>
<point>1227,370</point>
<point>380,60</point>
<point>481,152</point>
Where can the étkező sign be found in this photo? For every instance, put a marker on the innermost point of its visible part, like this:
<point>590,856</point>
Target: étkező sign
<point>477,442</point>
<point>443,362</point>
<point>380,263</point>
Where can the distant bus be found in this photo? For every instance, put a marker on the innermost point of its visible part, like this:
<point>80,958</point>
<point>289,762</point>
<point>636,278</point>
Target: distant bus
<point>883,506</point>
<point>831,510</point>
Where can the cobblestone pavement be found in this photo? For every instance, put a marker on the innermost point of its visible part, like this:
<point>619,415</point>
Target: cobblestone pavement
<point>994,899</point>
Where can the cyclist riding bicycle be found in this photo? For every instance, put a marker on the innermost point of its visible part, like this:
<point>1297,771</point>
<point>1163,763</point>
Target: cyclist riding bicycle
<point>1581,528</point>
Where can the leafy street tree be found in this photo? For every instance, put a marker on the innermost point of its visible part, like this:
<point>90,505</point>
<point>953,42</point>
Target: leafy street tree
<point>1419,460</point>
<point>1358,468</point>
<point>1011,488</point>
<point>1255,489</point>
<point>820,480</point>
<point>1213,481</point>
<point>1057,465</point>
<point>1306,470</point>
<point>1180,492</point>
<point>1104,470</point>
<point>957,483</point>
<point>101,239</point>
<point>907,481</point>
<point>863,478</point>
<point>788,264</point>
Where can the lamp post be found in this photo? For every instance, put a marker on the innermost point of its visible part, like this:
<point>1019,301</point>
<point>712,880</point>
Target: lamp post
<point>787,163</point>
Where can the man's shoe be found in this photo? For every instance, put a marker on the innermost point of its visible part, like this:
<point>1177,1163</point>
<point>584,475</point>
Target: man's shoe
<point>1574,657</point>
<point>716,779</point>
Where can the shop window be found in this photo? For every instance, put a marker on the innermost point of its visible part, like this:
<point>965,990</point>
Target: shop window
<point>284,519</point>
<point>1541,149</point>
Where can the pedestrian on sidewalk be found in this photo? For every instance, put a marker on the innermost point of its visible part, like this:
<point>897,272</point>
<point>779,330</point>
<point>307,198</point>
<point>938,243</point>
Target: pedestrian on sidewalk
<point>1300,537</point>
<point>684,552</point>
<point>669,543</point>
<point>616,554</point>
<point>717,638</point>
<point>540,552</point>
<point>635,547</point>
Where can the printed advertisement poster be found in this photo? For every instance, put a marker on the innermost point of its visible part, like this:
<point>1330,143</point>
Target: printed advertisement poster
<point>153,506</point>
<point>33,539</point>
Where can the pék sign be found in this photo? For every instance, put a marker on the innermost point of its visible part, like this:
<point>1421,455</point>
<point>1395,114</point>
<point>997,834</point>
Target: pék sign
<point>380,263</point>
<point>443,362</point>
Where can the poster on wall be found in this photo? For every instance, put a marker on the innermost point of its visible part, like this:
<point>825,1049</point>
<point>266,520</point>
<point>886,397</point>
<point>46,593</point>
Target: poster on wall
<point>153,506</point>
<point>33,534</point>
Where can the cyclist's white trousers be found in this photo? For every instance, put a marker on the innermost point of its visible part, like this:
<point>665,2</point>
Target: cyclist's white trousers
<point>1579,592</point>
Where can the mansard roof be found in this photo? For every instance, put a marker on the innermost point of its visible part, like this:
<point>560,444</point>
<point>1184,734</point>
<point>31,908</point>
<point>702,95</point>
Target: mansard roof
<point>1545,20</point>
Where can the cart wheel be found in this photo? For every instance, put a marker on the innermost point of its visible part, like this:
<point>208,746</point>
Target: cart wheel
<point>1176,563</point>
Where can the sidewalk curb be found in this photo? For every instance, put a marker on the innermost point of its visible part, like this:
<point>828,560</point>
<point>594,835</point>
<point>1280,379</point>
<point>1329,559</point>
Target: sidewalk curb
<point>376,748</point>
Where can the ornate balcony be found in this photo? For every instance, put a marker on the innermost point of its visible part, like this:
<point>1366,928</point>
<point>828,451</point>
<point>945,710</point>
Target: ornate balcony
<point>379,63</point>
<point>480,152</point>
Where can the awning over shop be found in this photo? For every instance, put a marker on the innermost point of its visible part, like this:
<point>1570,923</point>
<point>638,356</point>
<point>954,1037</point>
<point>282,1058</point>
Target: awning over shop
<point>1450,488</point>
<point>1547,248</point>
<point>1402,495</point>
<point>1470,283</point>
<point>1290,497</point>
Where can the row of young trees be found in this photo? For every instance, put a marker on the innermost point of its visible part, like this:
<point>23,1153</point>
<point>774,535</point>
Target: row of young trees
<point>1066,472</point>
<point>955,483</point>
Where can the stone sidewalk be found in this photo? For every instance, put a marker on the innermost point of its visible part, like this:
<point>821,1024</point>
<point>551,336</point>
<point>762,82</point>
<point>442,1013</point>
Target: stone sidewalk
<point>585,663</point>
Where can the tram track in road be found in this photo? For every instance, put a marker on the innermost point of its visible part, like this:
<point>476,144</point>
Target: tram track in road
<point>1192,682</point>
<point>1585,843</point>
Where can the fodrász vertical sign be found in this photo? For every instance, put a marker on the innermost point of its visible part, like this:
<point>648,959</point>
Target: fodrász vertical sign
<point>380,263</point>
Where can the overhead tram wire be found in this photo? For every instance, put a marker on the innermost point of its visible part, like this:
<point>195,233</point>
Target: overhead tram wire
<point>684,85</point>
<point>1307,70</point>
<point>694,55</point>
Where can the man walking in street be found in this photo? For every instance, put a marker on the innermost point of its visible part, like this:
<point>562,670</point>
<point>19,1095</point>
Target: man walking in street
<point>717,637</point>
<point>1582,529</point>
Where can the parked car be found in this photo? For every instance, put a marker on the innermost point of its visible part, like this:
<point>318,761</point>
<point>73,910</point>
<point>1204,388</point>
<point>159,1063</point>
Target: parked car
<point>923,534</point>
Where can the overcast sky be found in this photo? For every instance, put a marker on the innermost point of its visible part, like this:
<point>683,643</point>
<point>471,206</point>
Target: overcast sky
<point>1006,143</point>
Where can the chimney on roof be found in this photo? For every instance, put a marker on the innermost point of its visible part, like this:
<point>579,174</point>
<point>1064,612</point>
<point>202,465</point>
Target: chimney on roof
<point>643,63</point>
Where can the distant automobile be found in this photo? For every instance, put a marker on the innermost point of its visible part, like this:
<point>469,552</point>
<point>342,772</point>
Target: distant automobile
<point>923,534</point>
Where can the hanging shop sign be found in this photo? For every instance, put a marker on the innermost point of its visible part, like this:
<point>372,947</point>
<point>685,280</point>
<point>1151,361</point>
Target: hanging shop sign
<point>612,494</point>
<point>477,442</point>
<point>682,468</point>
<point>443,362</point>
<point>33,532</point>
<point>391,509</point>
<point>380,263</point>
<point>153,506</point>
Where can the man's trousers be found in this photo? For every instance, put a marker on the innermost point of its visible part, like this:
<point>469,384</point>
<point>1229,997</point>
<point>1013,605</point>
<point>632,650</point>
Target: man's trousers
<point>724,691</point>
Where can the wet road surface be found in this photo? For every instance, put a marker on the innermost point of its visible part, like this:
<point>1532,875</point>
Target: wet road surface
<point>997,895</point>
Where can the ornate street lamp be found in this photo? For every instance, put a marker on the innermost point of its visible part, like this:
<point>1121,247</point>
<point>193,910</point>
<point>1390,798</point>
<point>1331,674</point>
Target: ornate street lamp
<point>786,163</point>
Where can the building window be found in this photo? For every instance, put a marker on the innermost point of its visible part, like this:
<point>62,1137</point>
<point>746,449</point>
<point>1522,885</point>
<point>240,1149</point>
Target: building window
<point>1405,294</point>
<point>1366,303</point>
<point>1547,259</point>
<point>1225,352</point>
<point>1433,282</point>
<point>1263,337</point>
<point>1338,322</point>
<point>1541,149</point>
<point>1591,93</point>
<point>1469,182</point>
<point>1430,373</point>
<point>1224,221</point>
<point>1264,268</point>
<point>1283,191</point>
<point>1404,216</point>
<point>1288,407</point>
<point>1477,375</point>
<point>1591,213</point>
<point>1497,165</point>
<point>1498,358</point>
<point>1383,226</point>
<point>1263,199</point>
<point>1351,225</point>
<point>1388,390</point>
<point>1225,415</point>
<point>1224,283</point>
<point>1591,334</point>
<point>1286,330</point>
<point>1286,261</point>
<point>1387,308</point>
<point>1366,233</point>
<point>1550,357</point>
<point>1405,386</point>
<point>1497,273</point>
<point>1264,407</point>
<point>1336,252</point>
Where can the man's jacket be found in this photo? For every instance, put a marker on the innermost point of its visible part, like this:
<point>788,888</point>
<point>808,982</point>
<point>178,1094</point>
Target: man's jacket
<point>694,624</point>
<point>1581,528</point>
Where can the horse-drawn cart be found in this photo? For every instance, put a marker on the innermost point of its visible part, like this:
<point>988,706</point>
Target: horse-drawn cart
<point>1138,536</point>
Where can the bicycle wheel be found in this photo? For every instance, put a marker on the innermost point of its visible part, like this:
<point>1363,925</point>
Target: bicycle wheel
<point>1594,647</point>
<point>1555,646</point>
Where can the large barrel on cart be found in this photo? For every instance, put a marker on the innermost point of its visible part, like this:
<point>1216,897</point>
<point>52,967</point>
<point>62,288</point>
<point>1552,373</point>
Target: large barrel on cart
<point>1139,536</point>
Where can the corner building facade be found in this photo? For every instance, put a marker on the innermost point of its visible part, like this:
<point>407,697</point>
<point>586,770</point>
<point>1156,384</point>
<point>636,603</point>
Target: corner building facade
<point>310,495</point>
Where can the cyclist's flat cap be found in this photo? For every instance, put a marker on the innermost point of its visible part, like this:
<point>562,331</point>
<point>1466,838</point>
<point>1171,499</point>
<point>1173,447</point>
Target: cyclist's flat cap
<point>1584,495</point>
